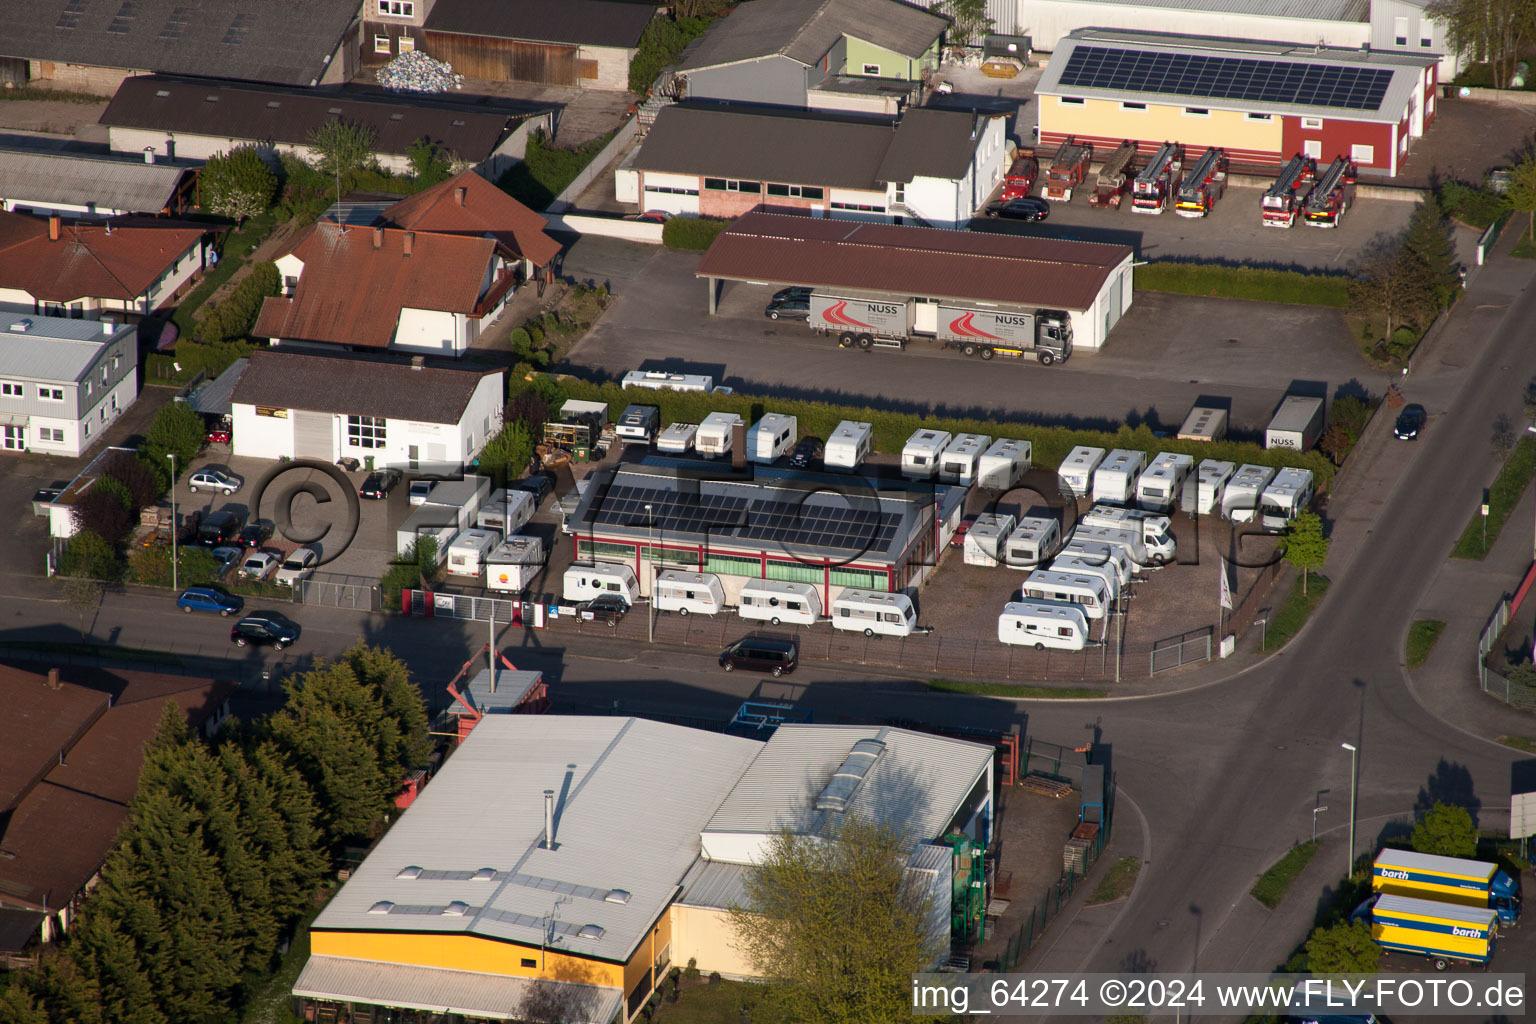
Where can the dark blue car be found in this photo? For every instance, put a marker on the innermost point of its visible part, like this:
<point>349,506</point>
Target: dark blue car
<point>206,599</point>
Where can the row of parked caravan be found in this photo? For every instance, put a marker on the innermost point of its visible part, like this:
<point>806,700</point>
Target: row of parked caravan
<point>481,541</point>
<point>777,602</point>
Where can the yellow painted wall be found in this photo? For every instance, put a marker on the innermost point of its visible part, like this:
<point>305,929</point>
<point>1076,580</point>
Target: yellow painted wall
<point>1227,128</point>
<point>468,953</point>
<point>708,937</point>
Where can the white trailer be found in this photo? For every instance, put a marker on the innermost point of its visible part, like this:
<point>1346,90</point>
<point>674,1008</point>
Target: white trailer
<point>1078,565</point>
<point>1076,472</point>
<point>1033,542</point>
<point>1204,423</point>
<point>1004,464</point>
<point>957,464</point>
<point>871,611</point>
<point>1156,529</point>
<point>440,523</point>
<point>586,580</point>
<point>778,602</point>
<point>1286,497</point>
<point>470,550</point>
<point>920,455</point>
<point>1106,554</point>
<point>507,512</point>
<point>688,592</point>
<point>1042,624</point>
<point>1091,593</point>
<point>677,438</point>
<point>849,445</point>
<point>714,434</point>
<point>1114,482</point>
<point>638,425</point>
<point>986,541</point>
<point>657,380</point>
<point>1240,500</point>
<point>1297,425</point>
<point>771,436</point>
<point>576,408</point>
<point>1159,487</point>
<point>1214,474</point>
<point>513,564</point>
<point>1127,538</point>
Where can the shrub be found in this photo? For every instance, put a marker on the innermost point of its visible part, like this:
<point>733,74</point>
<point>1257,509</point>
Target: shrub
<point>101,512</point>
<point>1477,205</point>
<point>506,455</point>
<point>417,567</point>
<point>236,315</point>
<point>530,409</point>
<point>175,430</point>
<point>546,169</point>
<point>151,566</point>
<point>89,555</point>
<point>693,232</point>
<point>661,44</point>
<point>238,184</point>
<point>142,481</point>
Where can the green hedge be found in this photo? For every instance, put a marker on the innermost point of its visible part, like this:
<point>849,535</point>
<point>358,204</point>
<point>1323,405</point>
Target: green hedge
<point>546,169</point>
<point>1259,284</point>
<point>236,315</point>
<point>691,232</point>
<point>1050,445</point>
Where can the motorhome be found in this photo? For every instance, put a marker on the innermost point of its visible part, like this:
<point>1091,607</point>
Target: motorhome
<point>468,553</point>
<point>778,602</point>
<point>920,455</point>
<point>871,611</point>
<point>586,580</point>
<point>957,463</point>
<point>986,540</point>
<point>1159,488</point>
<point>713,438</point>
<point>770,437</point>
<point>513,564</point>
<point>677,438</point>
<point>1114,482</point>
<point>1240,500</point>
<point>657,380</point>
<point>1033,542</point>
<point>1214,474</point>
<point>688,593</point>
<point>508,511</point>
<point>1286,497</point>
<point>1042,624</point>
<point>1004,464</point>
<point>1076,472</point>
<point>638,425</point>
<point>849,445</point>
<point>1156,529</point>
<point>1090,592</point>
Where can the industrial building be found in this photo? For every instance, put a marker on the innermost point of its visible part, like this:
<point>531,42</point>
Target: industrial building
<point>1090,281</point>
<point>1260,101</point>
<point>563,865</point>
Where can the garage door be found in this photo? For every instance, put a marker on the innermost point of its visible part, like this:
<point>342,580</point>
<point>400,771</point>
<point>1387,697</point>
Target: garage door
<point>1114,304</point>
<point>313,436</point>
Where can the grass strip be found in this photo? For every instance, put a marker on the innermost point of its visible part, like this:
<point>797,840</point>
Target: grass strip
<point>1422,636</point>
<point>1273,884</point>
<point>1118,881</point>
<point>1257,284</point>
<point>1524,743</point>
<point>1287,622</point>
<point>1505,493</point>
<point>1009,690</point>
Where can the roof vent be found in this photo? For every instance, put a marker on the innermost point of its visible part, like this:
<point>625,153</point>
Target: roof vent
<point>21,326</point>
<point>456,123</point>
<point>210,98</point>
<point>381,907</point>
<point>334,110</point>
<point>483,875</point>
<point>397,117</point>
<point>418,362</point>
<point>617,896</point>
<point>457,908</point>
<point>274,104</point>
<point>409,872</point>
<point>108,325</point>
<point>162,93</point>
<point>591,931</point>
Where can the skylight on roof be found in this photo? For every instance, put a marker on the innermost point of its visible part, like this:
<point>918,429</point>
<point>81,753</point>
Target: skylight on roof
<point>381,907</point>
<point>409,872</point>
<point>483,875</point>
<point>591,931</point>
<point>456,909</point>
<point>334,110</point>
<point>274,104</point>
<point>162,92</point>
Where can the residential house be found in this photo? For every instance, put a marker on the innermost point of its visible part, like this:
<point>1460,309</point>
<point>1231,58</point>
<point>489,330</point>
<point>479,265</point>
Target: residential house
<point>88,185</point>
<point>583,43</point>
<point>379,411</point>
<point>126,268</point>
<point>931,166</point>
<point>92,45</point>
<point>63,381</point>
<point>468,205</point>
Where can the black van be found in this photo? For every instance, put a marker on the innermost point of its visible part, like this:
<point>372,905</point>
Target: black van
<point>219,527</point>
<point>760,654</point>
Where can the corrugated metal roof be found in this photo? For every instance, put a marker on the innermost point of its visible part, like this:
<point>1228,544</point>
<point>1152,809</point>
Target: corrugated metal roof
<point>110,185</point>
<point>805,30</point>
<point>511,688</point>
<point>580,22</point>
<point>471,993</point>
<point>931,262</point>
<point>918,782</point>
<point>716,884</point>
<point>52,348</point>
<point>485,809</point>
<point>214,398</point>
<point>1310,10</point>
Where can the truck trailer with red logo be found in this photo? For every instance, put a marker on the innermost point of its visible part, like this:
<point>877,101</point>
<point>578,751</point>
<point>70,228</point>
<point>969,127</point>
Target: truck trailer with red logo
<point>876,320</point>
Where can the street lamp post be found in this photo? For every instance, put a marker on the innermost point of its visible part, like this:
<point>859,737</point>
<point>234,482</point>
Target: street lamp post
<point>650,611</point>
<point>1354,788</point>
<point>175,585</point>
<point>1315,812</point>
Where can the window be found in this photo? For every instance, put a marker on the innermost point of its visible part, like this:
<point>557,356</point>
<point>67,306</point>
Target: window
<point>1426,42</point>
<point>859,578</point>
<point>407,44</point>
<point>668,190</point>
<point>397,8</point>
<point>51,434</point>
<point>51,394</point>
<point>277,414</point>
<point>10,390</point>
<point>732,565</point>
<point>1312,149</point>
<point>1362,154</point>
<point>87,389</point>
<point>871,69</point>
<point>1197,112</point>
<point>1133,106</point>
<point>1070,101</point>
<point>529,961</point>
<point>1400,31</point>
<point>732,185</point>
<point>381,44</point>
<point>862,207</point>
<point>86,428</point>
<point>794,572</point>
<point>1312,122</point>
<point>1258,117</point>
<point>798,191</point>
<point>365,431</point>
<point>593,548</point>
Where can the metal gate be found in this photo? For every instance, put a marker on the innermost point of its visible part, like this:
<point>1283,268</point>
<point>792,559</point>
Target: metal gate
<point>335,590</point>
<point>312,436</point>
<point>1185,649</point>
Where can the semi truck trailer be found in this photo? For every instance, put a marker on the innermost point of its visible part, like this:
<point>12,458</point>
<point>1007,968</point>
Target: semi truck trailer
<point>868,320</point>
<point>1472,883</point>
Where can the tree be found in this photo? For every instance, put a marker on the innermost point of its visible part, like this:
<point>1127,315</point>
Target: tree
<point>405,744</point>
<point>839,923</point>
<point>1522,191</point>
<point>83,594</point>
<point>101,510</point>
<point>1427,243</point>
<point>506,455</point>
<point>1345,948</point>
<point>1446,830</point>
<point>1496,31</point>
<point>529,409</point>
<point>969,19</point>
<point>237,184</point>
<point>90,556</point>
<point>343,146</point>
<point>175,430</point>
<point>139,479</point>
<point>1336,443</point>
<point>430,163</point>
<point>1304,545</point>
<point>1392,287</point>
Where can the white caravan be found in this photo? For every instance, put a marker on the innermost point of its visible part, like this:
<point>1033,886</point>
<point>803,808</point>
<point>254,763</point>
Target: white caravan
<point>957,464</point>
<point>920,455</point>
<point>986,540</point>
<point>1240,500</point>
<point>1128,537</point>
<point>771,436</point>
<point>468,553</point>
<point>1004,464</point>
<point>778,602</point>
<point>677,438</point>
<point>870,612</point>
<point>1159,487</point>
<point>1214,474</point>
<point>513,564</point>
<point>1034,541</point>
<point>1075,474</point>
<point>1156,529</point>
<point>1286,497</point>
<point>586,580</point>
<point>1114,482</point>
<point>849,445</point>
<point>688,592</point>
<point>1114,562</point>
<point>714,435</point>
<point>1090,592</point>
<point>638,424</point>
<point>507,512</point>
<point>1042,624</point>
<point>657,380</point>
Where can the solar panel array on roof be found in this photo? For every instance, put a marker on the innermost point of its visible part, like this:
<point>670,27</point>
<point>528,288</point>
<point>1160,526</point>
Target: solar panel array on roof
<point>1232,78</point>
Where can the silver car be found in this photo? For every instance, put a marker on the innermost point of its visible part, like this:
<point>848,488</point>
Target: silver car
<point>299,564</point>
<point>214,480</point>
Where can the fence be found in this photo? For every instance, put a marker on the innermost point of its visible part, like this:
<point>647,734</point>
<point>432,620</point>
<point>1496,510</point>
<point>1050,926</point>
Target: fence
<point>1495,684</point>
<point>1184,649</point>
<point>334,590</point>
<point>1248,609</point>
<point>1486,240</point>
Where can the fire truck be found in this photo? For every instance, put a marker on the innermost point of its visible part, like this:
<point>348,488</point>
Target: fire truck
<point>1204,184</point>
<point>1111,184</point>
<point>1068,170</point>
<point>1157,184</point>
<point>1282,200</point>
<point>1331,196</point>
<point>1020,178</point>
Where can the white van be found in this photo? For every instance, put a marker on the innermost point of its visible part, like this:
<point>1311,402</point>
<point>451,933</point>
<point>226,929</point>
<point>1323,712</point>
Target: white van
<point>1240,500</point>
<point>986,541</point>
<point>849,445</point>
<point>920,455</point>
<point>870,612</point>
<point>1089,592</point>
<point>1034,540</point>
<point>1128,538</point>
<point>1075,475</point>
<point>1214,474</point>
<point>779,601</point>
<point>688,592</point>
<point>1159,487</point>
<point>1156,530</point>
<point>584,581</point>
<point>1043,624</point>
<point>771,436</point>
<point>1004,464</point>
<point>467,554</point>
<point>1114,482</point>
<point>714,435</point>
<point>507,512</point>
<point>677,438</point>
<point>957,464</point>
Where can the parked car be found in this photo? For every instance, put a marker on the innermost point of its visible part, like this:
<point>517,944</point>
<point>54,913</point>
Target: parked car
<point>1022,208</point>
<point>651,216</point>
<point>228,555</point>
<point>1409,422</point>
<point>760,654</point>
<point>798,291</point>
<point>379,483</point>
<point>219,528</point>
<point>256,534</point>
<point>609,608</point>
<point>214,480</point>
<point>539,484</point>
<point>807,451</point>
<point>791,307</point>
<point>961,531</point>
<point>258,565</point>
<point>260,630</point>
<point>419,491</point>
<point>219,435</point>
<point>207,599</point>
<point>298,565</point>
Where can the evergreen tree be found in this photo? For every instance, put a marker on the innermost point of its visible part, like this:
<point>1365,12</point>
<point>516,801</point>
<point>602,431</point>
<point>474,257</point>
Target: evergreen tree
<point>61,989</point>
<point>293,806</point>
<point>19,1006</point>
<point>1427,243</point>
<point>411,744</point>
<point>109,955</point>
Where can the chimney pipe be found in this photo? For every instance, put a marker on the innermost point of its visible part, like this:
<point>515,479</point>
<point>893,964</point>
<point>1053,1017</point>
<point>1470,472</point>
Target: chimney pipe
<point>53,679</point>
<point>55,227</point>
<point>738,446</point>
<point>149,154</point>
<point>378,238</point>
<point>549,819</point>
<point>408,242</point>
<point>459,194</point>
<point>418,362</point>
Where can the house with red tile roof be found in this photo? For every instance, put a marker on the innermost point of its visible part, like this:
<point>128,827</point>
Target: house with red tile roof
<point>467,204</point>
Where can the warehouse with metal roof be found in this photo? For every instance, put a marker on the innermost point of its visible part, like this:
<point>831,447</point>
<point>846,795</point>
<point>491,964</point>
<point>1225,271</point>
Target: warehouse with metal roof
<point>1262,102</point>
<point>1090,281</point>
<point>91,185</point>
